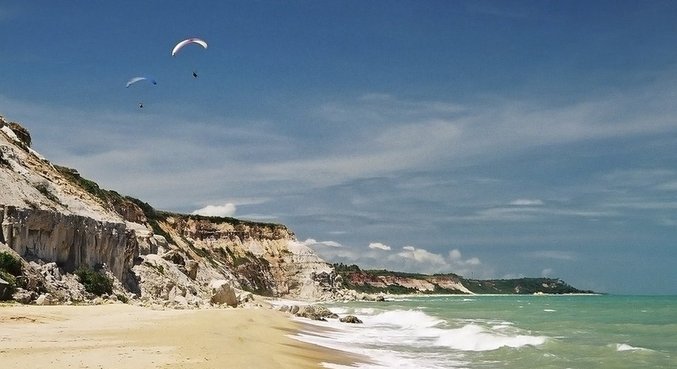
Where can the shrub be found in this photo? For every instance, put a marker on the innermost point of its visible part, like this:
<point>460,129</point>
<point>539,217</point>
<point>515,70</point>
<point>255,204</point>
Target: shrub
<point>94,281</point>
<point>7,291</point>
<point>10,264</point>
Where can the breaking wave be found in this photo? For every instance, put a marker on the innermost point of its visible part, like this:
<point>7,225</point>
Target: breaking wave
<point>414,339</point>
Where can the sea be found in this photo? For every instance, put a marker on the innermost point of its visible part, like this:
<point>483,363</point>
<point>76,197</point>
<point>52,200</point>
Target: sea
<point>505,331</point>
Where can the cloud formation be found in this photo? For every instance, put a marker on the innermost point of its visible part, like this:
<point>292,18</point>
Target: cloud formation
<point>225,210</point>
<point>526,202</point>
<point>379,246</point>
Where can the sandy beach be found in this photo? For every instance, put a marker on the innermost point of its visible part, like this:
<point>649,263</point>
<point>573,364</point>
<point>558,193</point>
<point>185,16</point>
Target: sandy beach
<point>123,336</point>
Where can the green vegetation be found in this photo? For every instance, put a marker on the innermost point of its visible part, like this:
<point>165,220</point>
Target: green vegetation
<point>44,190</point>
<point>95,281</point>
<point>89,186</point>
<point>368,281</point>
<point>10,264</point>
<point>153,217</point>
<point>10,269</point>
<point>521,286</point>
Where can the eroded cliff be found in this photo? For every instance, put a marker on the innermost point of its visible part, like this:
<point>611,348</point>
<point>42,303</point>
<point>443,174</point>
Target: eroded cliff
<point>50,215</point>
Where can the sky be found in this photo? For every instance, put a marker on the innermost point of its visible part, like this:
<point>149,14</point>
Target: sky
<point>492,139</point>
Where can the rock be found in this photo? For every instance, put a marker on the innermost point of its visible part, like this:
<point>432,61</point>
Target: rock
<point>180,302</point>
<point>244,297</point>
<point>350,319</point>
<point>191,269</point>
<point>315,312</point>
<point>324,312</point>
<point>223,293</point>
<point>175,257</point>
<point>44,299</point>
<point>294,309</point>
<point>21,133</point>
<point>22,296</point>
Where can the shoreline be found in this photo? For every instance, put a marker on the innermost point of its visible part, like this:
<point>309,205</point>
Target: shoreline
<point>127,336</point>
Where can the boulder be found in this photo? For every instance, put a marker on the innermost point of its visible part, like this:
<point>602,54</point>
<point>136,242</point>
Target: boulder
<point>315,312</point>
<point>45,299</point>
<point>350,319</point>
<point>223,292</point>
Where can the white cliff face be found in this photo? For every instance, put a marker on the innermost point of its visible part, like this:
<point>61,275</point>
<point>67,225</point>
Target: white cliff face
<point>265,258</point>
<point>69,240</point>
<point>29,181</point>
<point>44,215</point>
<point>52,214</point>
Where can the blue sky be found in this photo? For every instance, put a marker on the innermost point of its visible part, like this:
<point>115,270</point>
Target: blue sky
<point>486,138</point>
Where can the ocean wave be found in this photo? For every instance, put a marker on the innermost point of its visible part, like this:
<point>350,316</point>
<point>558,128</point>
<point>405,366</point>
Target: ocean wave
<point>409,338</point>
<point>404,319</point>
<point>625,347</point>
<point>473,337</point>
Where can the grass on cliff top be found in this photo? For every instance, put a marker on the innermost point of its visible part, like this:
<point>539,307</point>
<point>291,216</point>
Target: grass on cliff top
<point>346,269</point>
<point>112,197</point>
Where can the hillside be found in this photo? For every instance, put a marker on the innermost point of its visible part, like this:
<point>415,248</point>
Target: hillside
<point>57,223</point>
<point>384,281</point>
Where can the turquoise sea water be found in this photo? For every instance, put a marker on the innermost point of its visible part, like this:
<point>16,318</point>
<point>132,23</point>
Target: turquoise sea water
<point>515,331</point>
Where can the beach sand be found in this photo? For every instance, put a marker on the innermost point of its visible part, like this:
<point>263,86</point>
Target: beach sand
<point>124,336</point>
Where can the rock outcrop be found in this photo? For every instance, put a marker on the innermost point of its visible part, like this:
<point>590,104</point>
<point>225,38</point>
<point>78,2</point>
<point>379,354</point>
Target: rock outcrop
<point>59,221</point>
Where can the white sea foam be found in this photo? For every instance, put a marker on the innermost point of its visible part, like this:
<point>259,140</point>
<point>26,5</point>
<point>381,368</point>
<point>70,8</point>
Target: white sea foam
<point>625,347</point>
<point>473,337</point>
<point>405,319</point>
<point>409,339</point>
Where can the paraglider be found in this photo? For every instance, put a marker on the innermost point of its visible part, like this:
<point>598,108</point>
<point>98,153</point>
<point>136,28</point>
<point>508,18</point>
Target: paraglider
<point>192,40</point>
<point>139,79</point>
<point>188,41</point>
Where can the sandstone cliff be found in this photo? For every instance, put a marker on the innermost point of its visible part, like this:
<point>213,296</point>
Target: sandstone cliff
<point>384,281</point>
<point>58,222</point>
<point>61,226</point>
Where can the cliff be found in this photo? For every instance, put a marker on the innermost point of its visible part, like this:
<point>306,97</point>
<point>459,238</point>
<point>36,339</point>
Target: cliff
<point>59,223</point>
<point>384,281</point>
<point>64,239</point>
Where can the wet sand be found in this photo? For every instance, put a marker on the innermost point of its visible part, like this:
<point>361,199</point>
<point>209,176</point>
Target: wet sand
<point>124,337</point>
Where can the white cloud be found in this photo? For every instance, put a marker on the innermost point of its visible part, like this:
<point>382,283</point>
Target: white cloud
<point>225,210</point>
<point>379,246</point>
<point>422,256</point>
<point>311,242</point>
<point>547,272</point>
<point>416,259</point>
<point>456,259</point>
<point>526,202</point>
<point>331,243</point>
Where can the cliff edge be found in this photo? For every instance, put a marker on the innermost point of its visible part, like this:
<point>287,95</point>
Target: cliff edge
<point>62,227</point>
